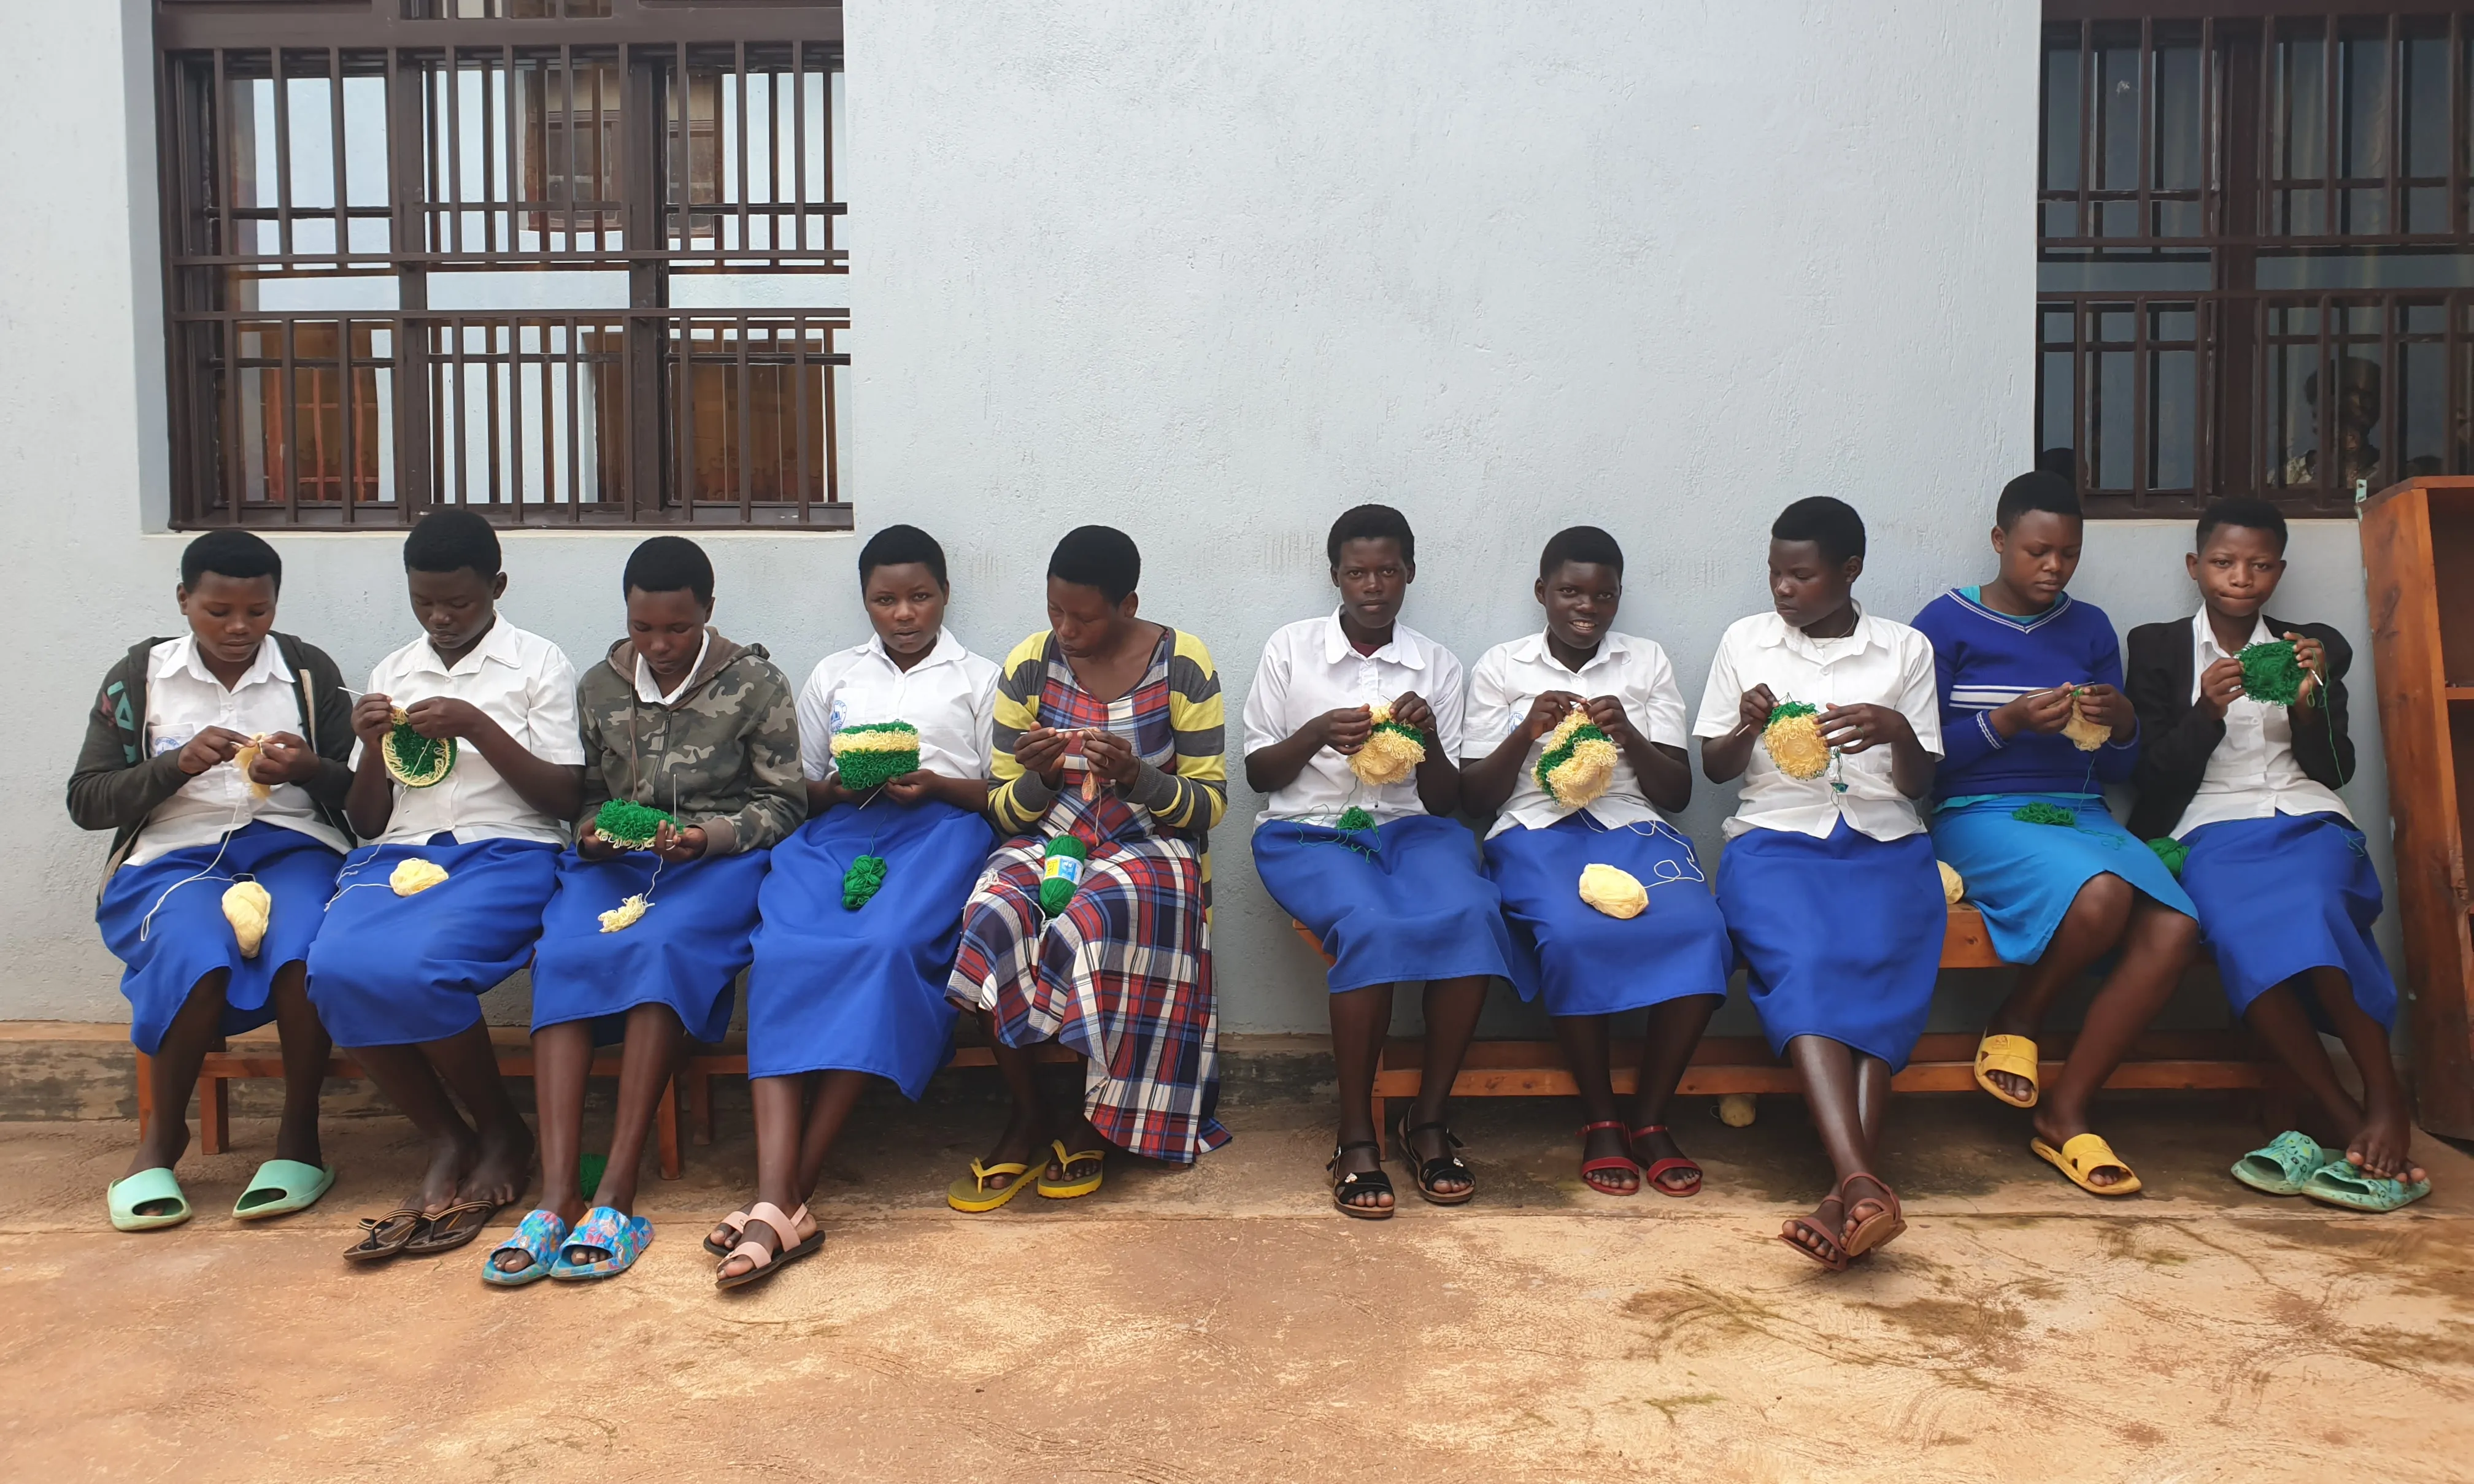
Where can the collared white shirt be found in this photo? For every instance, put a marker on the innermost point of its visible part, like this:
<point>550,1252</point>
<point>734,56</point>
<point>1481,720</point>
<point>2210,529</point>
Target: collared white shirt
<point>184,699</point>
<point>1310,667</point>
<point>649,692</point>
<point>1881,663</point>
<point>1510,678</point>
<point>518,679</point>
<point>950,696</point>
<point>2253,773</point>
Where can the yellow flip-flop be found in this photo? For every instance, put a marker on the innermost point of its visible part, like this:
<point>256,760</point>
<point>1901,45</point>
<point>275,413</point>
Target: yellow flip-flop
<point>2015,1055</point>
<point>1068,1189</point>
<point>971,1192</point>
<point>2082,1152</point>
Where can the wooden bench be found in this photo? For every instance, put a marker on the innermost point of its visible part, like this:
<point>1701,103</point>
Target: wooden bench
<point>225,1065</point>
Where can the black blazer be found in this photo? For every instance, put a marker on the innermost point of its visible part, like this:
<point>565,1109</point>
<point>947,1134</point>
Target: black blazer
<point>2175,737</point>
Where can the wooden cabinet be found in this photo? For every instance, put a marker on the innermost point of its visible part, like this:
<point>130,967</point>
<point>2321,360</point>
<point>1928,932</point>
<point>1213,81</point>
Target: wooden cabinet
<point>2418,559</point>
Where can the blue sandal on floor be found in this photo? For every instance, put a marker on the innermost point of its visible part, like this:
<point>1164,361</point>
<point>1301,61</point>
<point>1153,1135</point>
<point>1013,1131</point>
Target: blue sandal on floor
<point>2285,1164</point>
<point>537,1236</point>
<point>620,1240</point>
<point>2342,1182</point>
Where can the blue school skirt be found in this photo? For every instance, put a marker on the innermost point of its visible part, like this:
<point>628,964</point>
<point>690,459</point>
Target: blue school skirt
<point>2023,877</point>
<point>391,970</point>
<point>189,937</point>
<point>1839,938</point>
<point>2287,894</point>
<point>1587,963</point>
<point>1416,908</point>
<point>685,952</point>
<point>834,990</point>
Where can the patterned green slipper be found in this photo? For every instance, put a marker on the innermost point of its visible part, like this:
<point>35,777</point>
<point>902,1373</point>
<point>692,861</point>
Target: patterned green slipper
<point>2285,1164</point>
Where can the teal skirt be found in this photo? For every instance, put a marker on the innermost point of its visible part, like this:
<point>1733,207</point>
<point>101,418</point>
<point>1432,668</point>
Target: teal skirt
<point>2023,877</point>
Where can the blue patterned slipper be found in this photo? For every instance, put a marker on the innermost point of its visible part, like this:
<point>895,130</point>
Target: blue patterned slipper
<point>603,1245</point>
<point>538,1238</point>
<point>2342,1182</point>
<point>2285,1164</point>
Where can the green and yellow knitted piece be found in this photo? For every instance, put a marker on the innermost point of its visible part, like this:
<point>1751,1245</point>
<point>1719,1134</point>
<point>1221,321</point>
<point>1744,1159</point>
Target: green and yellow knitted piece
<point>2271,675</point>
<point>876,753</point>
<point>413,760</point>
<point>2173,852</point>
<point>861,883</point>
<point>1391,752</point>
<point>1792,738</point>
<point>1578,762</point>
<point>629,825</point>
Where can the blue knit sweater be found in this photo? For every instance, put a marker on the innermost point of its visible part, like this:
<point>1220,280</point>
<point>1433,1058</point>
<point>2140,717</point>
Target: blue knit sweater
<point>1983,660</point>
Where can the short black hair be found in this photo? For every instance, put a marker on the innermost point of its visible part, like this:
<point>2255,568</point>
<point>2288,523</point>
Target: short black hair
<point>1372,523</point>
<point>1829,523</point>
<point>899,545</point>
<point>2242,510</point>
<point>666,564</point>
<point>2040,490</point>
<point>1584,543</point>
<point>1098,556</point>
<point>450,539</point>
<point>240,554</point>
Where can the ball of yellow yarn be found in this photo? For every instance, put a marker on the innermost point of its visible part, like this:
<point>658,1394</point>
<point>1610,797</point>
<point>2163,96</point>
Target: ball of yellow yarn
<point>1391,752</point>
<point>1793,741</point>
<point>1738,1110</point>
<point>247,907</point>
<point>413,876</point>
<point>624,914</point>
<point>2085,735</point>
<point>1951,888</point>
<point>1614,890</point>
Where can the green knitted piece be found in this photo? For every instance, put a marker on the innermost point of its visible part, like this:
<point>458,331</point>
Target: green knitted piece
<point>861,882</point>
<point>416,761</point>
<point>1786,709</point>
<point>863,767</point>
<point>2173,852</point>
<point>2270,673</point>
<point>629,825</point>
<point>2045,813</point>
<point>1061,874</point>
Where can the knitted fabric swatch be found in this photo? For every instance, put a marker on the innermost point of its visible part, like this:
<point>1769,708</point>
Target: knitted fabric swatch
<point>628,825</point>
<point>1792,738</point>
<point>1578,762</point>
<point>1391,752</point>
<point>869,756</point>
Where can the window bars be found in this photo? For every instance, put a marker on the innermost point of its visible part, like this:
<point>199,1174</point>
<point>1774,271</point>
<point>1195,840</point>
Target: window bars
<point>559,260</point>
<point>2256,265</point>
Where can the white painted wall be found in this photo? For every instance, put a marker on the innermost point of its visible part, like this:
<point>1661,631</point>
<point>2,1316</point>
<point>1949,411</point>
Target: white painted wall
<point>1212,272</point>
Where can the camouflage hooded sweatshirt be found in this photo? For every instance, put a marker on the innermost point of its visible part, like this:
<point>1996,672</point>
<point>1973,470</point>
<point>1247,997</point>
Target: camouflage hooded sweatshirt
<point>725,756</point>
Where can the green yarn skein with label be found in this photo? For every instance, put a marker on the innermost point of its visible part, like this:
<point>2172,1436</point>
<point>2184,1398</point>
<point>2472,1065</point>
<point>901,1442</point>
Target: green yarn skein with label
<point>861,882</point>
<point>2173,852</point>
<point>1061,873</point>
<point>629,825</point>
<point>2271,675</point>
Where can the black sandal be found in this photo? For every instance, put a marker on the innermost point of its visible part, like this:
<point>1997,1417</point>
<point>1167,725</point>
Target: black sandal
<point>385,1236</point>
<point>1428,1170</point>
<point>1343,1186</point>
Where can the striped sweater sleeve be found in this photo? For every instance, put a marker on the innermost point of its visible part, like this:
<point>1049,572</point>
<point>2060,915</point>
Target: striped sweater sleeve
<point>1194,796</point>
<point>1021,798</point>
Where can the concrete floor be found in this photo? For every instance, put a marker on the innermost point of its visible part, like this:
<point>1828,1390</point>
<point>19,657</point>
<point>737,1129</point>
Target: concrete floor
<point>1223,1323</point>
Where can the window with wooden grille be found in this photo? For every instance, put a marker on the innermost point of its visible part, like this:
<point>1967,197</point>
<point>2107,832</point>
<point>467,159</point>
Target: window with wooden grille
<point>569,262</point>
<point>2255,273</point>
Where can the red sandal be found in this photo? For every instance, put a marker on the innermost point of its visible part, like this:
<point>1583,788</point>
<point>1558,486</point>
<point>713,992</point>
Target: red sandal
<point>1650,1175</point>
<point>1591,1167</point>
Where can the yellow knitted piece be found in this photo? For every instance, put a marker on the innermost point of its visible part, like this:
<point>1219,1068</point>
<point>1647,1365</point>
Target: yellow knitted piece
<point>246,758</point>
<point>624,914</point>
<point>247,907</point>
<point>2085,735</point>
<point>1391,752</point>
<point>1588,766</point>
<point>412,877</point>
<point>1951,888</point>
<point>1794,741</point>
<point>1614,890</point>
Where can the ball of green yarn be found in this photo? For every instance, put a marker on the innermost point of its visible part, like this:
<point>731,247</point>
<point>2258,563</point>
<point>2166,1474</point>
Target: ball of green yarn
<point>2270,673</point>
<point>2173,852</point>
<point>1354,819</point>
<point>861,882</point>
<point>1061,872</point>
<point>628,824</point>
<point>2045,813</point>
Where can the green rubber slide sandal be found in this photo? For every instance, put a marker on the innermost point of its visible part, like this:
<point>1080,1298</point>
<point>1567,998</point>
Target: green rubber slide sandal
<point>2343,1183</point>
<point>280,1187</point>
<point>2285,1164</point>
<point>146,1187</point>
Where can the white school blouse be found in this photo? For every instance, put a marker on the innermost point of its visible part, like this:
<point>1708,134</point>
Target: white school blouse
<point>2253,773</point>
<point>950,696</point>
<point>1881,663</point>
<point>184,699</point>
<point>1310,667</point>
<point>1510,678</point>
<point>518,679</point>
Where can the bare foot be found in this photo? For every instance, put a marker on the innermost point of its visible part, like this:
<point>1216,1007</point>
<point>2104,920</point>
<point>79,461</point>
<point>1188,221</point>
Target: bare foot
<point>448,1159</point>
<point>2384,1144</point>
<point>502,1165</point>
<point>1078,1137</point>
